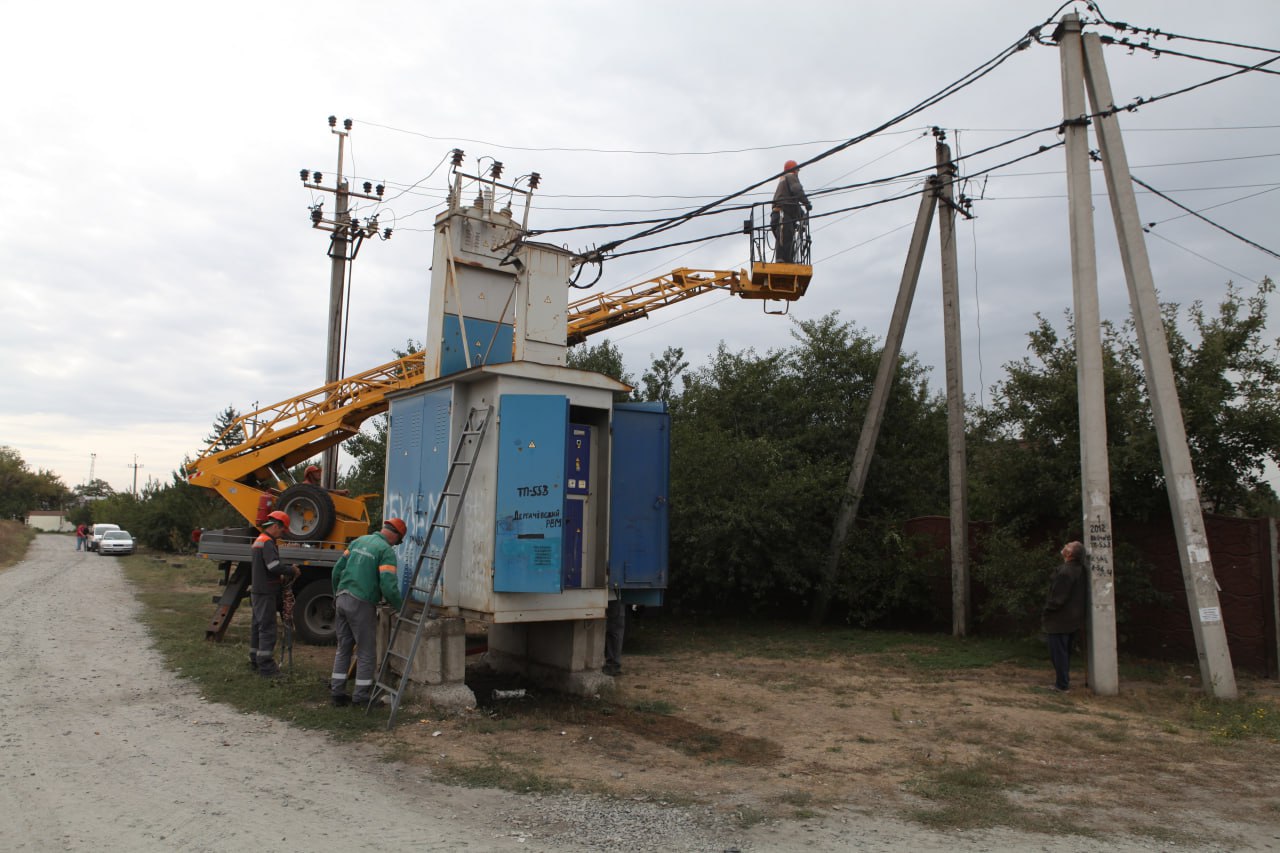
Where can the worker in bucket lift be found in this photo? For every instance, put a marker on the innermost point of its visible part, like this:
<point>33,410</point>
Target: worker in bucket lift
<point>363,575</point>
<point>311,477</point>
<point>788,197</point>
<point>269,577</point>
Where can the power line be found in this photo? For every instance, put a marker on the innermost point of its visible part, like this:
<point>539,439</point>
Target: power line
<point>1273,188</point>
<point>964,81</point>
<point>1205,219</point>
<point>1202,257</point>
<point>1123,26</point>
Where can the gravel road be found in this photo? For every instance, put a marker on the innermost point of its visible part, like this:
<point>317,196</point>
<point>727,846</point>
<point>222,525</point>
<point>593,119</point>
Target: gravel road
<point>102,749</point>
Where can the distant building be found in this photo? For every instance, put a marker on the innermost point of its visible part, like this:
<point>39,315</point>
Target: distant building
<point>49,520</point>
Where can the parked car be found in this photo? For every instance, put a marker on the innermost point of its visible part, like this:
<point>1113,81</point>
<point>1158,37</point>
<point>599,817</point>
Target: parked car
<point>96,537</point>
<point>115,542</point>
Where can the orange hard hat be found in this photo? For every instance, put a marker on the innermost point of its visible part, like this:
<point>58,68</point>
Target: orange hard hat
<point>790,166</point>
<point>311,468</point>
<point>396,524</point>
<point>277,517</point>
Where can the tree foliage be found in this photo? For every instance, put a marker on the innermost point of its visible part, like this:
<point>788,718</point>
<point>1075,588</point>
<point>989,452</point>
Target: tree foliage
<point>761,448</point>
<point>604,357</point>
<point>23,490</point>
<point>1025,452</point>
<point>224,434</point>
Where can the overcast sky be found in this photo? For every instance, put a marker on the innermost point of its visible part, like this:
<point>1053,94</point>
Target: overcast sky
<point>158,264</point>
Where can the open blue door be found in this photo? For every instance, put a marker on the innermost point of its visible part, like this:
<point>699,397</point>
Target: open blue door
<point>530,493</point>
<point>638,486</point>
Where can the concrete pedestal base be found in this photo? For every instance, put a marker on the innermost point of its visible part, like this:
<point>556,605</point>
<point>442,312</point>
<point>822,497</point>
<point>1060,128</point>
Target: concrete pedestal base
<point>563,656</point>
<point>437,675</point>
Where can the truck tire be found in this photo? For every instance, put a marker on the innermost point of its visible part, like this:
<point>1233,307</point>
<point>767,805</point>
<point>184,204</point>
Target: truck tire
<point>314,617</point>
<point>311,512</point>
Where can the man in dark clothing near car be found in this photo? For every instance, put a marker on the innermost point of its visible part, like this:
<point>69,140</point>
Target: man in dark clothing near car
<point>788,197</point>
<point>269,578</point>
<point>364,575</point>
<point>1064,612</point>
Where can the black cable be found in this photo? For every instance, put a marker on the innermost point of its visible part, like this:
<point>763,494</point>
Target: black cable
<point>1122,27</point>
<point>1206,219</point>
<point>957,85</point>
<point>1158,51</point>
<point>1041,150</point>
<point>1272,189</point>
<point>1202,257</point>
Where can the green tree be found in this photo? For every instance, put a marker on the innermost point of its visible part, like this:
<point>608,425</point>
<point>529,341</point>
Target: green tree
<point>603,357</point>
<point>95,488</point>
<point>660,379</point>
<point>226,432</point>
<point>23,490</point>
<point>761,448</point>
<point>1025,448</point>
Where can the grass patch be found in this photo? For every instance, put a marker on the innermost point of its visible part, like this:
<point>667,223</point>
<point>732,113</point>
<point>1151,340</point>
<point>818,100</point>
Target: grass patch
<point>1236,719</point>
<point>175,594</point>
<point>15,538</point>
<point>670,637</point>
<point>969,797</point>
<point>494,774</point>
<point>654,706</point>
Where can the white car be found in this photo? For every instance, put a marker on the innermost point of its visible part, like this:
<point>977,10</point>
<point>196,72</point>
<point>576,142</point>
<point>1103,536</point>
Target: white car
<point>115,542</point>
<point>96,537</point>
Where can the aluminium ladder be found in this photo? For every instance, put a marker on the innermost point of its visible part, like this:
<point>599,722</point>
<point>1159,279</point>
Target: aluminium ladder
<point>443,518</point>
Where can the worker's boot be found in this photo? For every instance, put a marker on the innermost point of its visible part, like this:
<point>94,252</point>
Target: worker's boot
<point>253,662</point>
<point>340,700</point>
<point>268,668</point>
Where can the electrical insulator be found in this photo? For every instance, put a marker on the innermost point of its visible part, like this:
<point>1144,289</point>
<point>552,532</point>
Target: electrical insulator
<point>305,173</point>
<point>496,171</point>
<point>346,124</point>
<point>386,234</point>
<point>368,186</point>
<point>378,189</point>
<point>534,180</point>
<point>319,177</point>
<point>457,157</point>
<point>315,215</point>
<point>333,121</point>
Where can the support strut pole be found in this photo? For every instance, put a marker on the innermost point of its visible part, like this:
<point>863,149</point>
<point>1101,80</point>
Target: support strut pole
<point>879,399</point>
<point>1216,673</point>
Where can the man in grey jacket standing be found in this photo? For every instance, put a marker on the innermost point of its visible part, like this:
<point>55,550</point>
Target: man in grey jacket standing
<point>1064,612</point>
<point>788,199</point>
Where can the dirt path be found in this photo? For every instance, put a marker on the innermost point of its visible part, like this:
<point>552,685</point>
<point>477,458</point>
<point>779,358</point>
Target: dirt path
<point>102,749</point>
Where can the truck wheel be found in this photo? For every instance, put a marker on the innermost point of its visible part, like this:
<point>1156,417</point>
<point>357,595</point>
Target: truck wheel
<point>314,616</point>
<point>311,513</point>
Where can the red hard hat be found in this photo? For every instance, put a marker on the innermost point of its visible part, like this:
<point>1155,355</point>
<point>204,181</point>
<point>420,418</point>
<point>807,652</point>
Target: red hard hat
<point>397,525</point>
<point>277,517</point>
<point>790,165</point>
<point>311,468</point>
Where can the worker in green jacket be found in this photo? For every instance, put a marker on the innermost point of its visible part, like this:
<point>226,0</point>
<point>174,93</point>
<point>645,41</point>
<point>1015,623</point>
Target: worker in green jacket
<point>364,575</point>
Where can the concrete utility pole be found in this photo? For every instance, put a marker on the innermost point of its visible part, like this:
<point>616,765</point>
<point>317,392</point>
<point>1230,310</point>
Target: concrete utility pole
<point>957,465</point>
<point>1184,499</point>
<point>346,237</point>
<point>852,496</point>
<point>135,466</point>
<point>1095,472</point>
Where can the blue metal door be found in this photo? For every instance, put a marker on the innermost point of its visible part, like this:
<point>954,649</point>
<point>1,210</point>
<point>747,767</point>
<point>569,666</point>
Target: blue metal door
<point>638,487</point>
<point>530,492</point>
<point>418,454</point>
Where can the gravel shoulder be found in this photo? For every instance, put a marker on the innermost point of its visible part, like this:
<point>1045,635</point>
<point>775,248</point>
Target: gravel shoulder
<point>103,749</point>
